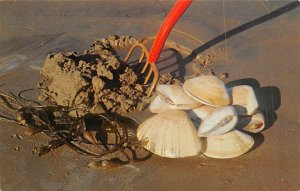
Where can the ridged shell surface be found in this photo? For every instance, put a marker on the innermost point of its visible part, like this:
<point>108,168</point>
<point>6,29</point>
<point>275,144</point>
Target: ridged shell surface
<point>207,89</point>
<point>218,122</point>
<point>253,123</point>
<point>244,99</point>
<point>170,134</point>
<point>229,145</point>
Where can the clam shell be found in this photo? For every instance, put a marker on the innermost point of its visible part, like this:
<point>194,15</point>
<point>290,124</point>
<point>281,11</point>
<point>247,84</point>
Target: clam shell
<point>229,145</point>
<point>172,97</point>
<point>175,97</point>
<point>170,134</point>
<point>244,99</point>
<point>203,111</point>
<point>253,123</point>
<point>218,122</point>
<point>207,89</point>
<point>198,114</point>
<point>158,105</point>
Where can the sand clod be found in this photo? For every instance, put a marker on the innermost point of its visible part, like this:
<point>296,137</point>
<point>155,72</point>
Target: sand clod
<point>95,78</point>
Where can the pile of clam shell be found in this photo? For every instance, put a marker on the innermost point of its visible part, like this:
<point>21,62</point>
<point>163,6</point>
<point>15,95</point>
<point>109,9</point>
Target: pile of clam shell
<point>202,116</point>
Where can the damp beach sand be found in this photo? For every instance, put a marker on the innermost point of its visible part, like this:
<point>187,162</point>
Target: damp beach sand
<point>261,50</point>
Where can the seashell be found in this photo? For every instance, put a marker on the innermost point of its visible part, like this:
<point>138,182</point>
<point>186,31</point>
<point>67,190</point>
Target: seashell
<point>198,114</point>
<point>170,134</point>
<point>253,123</point>
<point>229,145</point>
<point>207,89</point>
<point>218,122</point>
<point>202,111</point>
<point>159,106</point>
<point>174,96</point>
<point>244,99</point>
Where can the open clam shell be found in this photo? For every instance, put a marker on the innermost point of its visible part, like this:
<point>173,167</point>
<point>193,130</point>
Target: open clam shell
<point>218,122</point>
<point>229,145</point>
<point>253,123</point>
<point>207,89</point>
<point>198,114</point>
<point>172,97</point>
<point>170,134</point>
<point>202,111</point>
<point>244,99</point>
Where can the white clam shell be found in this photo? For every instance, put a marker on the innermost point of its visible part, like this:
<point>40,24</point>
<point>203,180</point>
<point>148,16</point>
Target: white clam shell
<point>198,114</point>
<point>170,134</point>
<point>229,145</point>
<point>218,122</point>
<point>172,97</point>
<point>207,89</point>
<point>244,99</point>
<point>253,123</point>
<point>203,111</point>
<point>158,105</point>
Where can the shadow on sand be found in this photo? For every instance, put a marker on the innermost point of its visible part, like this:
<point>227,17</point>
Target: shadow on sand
<point>178,66</point>
<point>237,30</point>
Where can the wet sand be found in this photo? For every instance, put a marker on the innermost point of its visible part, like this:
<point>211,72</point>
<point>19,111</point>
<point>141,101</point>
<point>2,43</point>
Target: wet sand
<point>260,49</point>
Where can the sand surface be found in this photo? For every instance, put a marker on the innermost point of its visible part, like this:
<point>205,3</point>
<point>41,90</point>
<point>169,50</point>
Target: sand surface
<point>261,49</point>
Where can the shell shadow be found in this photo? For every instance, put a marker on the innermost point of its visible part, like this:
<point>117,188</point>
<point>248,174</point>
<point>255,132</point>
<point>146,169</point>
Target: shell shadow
<point>244,81</point>
<point>268,98</point>
<point>204,143</point>
<point>258,140</point>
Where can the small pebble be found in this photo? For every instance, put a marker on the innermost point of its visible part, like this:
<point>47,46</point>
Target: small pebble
<point>20,137</point>
<point>17,136</point>
<point>34,150</point>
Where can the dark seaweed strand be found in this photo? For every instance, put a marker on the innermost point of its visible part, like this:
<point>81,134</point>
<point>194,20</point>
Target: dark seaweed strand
<point>6,102</point>
<point>26,99</point>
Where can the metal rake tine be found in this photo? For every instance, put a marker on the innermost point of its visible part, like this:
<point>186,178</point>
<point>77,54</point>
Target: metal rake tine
<point>148,76</point>
<point>145,67</point>
<point>155,78</point>
<point>144,53</point>
<point>131,51</point>
<point>142,57</point>
<point>153,68</point>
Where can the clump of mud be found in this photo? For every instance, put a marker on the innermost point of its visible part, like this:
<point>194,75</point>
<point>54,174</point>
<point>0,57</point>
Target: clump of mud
<point>97,78</point>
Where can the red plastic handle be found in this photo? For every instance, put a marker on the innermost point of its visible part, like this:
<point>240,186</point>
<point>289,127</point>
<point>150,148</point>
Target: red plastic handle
<point>171,19</point>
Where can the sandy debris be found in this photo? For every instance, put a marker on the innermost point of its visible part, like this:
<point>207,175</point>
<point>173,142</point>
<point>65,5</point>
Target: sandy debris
<point>95,78</point>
